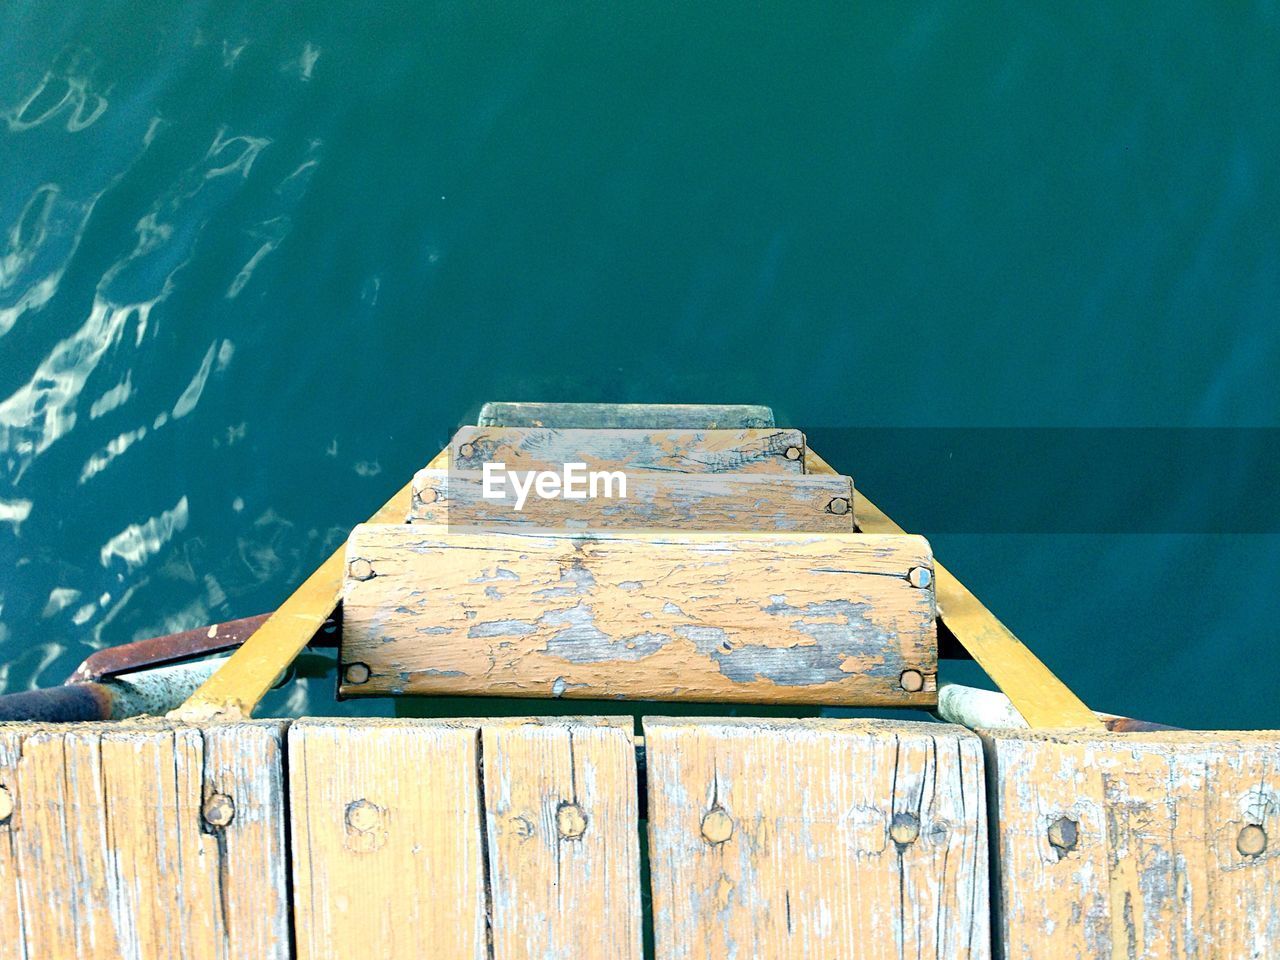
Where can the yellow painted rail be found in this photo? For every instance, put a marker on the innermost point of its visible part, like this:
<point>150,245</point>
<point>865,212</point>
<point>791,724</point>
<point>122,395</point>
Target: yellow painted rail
<point>234,691</point>
<point>1041,698</point>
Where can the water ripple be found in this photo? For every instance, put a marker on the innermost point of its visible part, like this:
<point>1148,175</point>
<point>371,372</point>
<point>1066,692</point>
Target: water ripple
<point>56,94</point>
<point>43,410</point>
<point>14,512</point>
<point>138,542</point>
<point>39,247</point>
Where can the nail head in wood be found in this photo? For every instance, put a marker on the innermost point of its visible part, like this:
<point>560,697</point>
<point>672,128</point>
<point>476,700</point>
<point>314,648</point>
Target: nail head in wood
<point>839,506</point>
<point>920,577</point>
<point>571,822</point>
<point>1252,841</point>
<point>219,810</point>
<point>792,453</point>
<point>356,673</point>
<point>905,828</point>
<point>912,681</point>
<point>717,826</point>
<point>361,570</point>
<point>1064,834</point>
<point>363,815</point>
<point>6,805</point>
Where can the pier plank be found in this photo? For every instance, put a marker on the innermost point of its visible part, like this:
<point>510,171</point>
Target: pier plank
<point>679,501</point>
<point>143,840</point>
<point>680,451</point>
<point>561,806</point>
<point>652,416</point>
<point>446,833</point>
<point>387,848</point>
<point>784,618</point>
<point>816,838</point>
<point>1160,845</point>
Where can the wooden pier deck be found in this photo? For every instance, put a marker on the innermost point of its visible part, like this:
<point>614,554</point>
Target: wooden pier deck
<point>514,838</point>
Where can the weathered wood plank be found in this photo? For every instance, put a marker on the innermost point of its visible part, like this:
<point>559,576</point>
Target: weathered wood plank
<point>658,501</point>
<point>561,806</point>
<point>143,840</point>
<point>816,838</point>
<point>644,416</point>
<point>1161,846</point>
<point>434,835</point>
<point>681,451</point>
<point>388,854</point>
<point>785,618</point>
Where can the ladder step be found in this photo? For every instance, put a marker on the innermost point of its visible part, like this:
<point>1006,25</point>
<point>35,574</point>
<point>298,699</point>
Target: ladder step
<point>783,618</point>
<point>661,501</point>
<point>648,416</point>
<point>679,451</point>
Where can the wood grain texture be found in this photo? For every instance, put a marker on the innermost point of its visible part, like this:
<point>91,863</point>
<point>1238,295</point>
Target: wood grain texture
<point>657,501</point>
<point>855,839</point>
<point>647,416</point>
<point>795,618</point>
<point>560,798</point>
<point>1127,845</point>
<point>680,451</point>
<point>108,853</point>
<point>439,837</point>
<point>388,852</point>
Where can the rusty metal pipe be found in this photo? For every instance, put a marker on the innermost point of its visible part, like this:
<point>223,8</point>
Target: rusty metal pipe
<point>187,645</point>
<point>128,695</point>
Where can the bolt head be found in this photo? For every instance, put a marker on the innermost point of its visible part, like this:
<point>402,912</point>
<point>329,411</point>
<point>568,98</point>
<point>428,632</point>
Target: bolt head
<point>571,822</point>
<point>792,453</point>
<point>363,816</point>
<point>920,577</point>
<point>1252,841</point>
<point>219,810</point>
<point>717,826</point>
<point>360,569</point>
<point>466,451</point>
<point>905,828</point>
<point>356,673</point>
<point>911,681</point>
<point>1064,834</point>
<point>839,506</point>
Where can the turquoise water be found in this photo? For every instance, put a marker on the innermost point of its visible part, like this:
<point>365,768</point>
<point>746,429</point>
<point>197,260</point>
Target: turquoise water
<point>257,262</point>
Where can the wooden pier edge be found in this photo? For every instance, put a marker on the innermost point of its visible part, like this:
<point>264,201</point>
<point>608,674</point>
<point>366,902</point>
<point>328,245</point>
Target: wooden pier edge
<point>816,838</point>
<point>497,838</point>
<point>143,839</point>
<point>1162,845</point>
<point>510,836</point>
